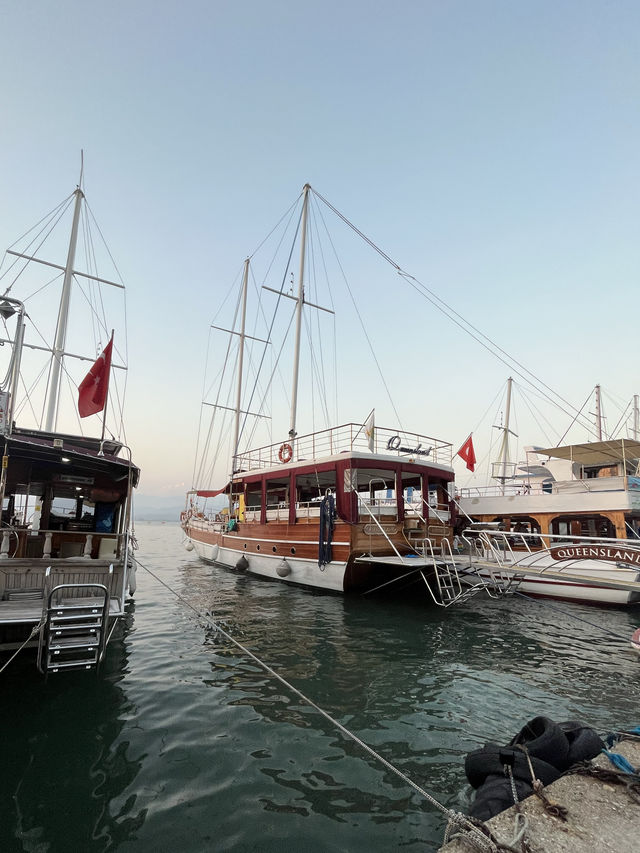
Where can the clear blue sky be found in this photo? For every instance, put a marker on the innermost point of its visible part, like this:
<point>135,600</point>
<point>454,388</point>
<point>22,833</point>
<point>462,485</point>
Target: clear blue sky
<point>491,148</point>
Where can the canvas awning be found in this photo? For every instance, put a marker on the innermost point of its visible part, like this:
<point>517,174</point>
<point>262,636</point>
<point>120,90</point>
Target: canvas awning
<point>202,493</point>
<point>596,452</point>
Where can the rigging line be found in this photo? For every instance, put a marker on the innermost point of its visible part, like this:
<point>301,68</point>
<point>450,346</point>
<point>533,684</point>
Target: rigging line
<point>509,361</point>
<point>94,288</point>
<point>119,274</point>
<point>73,387</point>
<point>104,242</point>
<point>35,251</point>
<point>559,444</point>
<point>538,414</point>
<point>536,420</point>
<point>421,287</point>
<point>624,416</point>
<point>207,441</point>
<point>204,385</point>
<point>260,303</point>
<point>205,617</point>
<point>327,283</point>
<point>364,331</point>
<point>269,383</point>
<point>44,287</point>
<point>316,319</point>
<point>289,212</point>
<point>65,201</point>
<point>27,395</point>
<point>315,369</point>
<point>273,319</point>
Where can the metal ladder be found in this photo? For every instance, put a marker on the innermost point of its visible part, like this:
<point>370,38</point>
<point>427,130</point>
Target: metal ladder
<point>448,586</point>
<point>73,634</point>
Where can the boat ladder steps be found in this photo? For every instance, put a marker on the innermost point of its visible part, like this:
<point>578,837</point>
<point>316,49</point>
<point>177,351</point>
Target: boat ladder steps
<point>73,635</point>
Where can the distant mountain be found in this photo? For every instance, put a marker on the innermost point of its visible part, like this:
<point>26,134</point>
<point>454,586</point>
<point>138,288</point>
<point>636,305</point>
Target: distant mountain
<point>153,508</point>
<point>166,508</point>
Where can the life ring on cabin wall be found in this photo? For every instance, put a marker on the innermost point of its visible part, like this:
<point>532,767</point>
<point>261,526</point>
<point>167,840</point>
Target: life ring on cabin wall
<point>285,454</point>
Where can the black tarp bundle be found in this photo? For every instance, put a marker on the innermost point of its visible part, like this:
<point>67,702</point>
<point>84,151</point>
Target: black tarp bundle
<point>552,747</point>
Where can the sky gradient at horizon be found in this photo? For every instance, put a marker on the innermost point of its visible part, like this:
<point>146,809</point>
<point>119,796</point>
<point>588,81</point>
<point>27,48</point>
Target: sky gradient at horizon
<point>490,148</point>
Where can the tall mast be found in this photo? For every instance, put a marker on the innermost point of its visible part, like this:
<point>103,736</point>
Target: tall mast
<point>598,414</point>
<point>636,417</point>
<point>63,317</point>
<point>296,359</point>
<point>236,433</point>
<point>505,436</point>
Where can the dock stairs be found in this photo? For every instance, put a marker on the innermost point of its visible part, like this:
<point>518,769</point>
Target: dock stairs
<point>74,626</point>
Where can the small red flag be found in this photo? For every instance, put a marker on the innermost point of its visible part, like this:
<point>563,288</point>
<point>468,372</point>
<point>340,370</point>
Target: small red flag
<point>467,454</point>
<point>92,392</point>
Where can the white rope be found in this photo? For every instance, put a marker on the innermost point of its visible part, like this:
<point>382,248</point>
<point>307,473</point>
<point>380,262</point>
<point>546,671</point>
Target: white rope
<point>17,652</point>
<point>480,840</point>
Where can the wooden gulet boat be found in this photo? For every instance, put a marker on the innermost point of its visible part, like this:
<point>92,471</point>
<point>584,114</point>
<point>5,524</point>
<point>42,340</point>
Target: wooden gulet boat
<point>329,509</point>
<point>65,560</point>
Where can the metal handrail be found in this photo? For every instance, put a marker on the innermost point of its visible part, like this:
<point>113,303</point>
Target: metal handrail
<point>46,608</point>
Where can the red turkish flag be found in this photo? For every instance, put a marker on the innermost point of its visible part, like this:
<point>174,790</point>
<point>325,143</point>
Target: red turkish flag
<point>467,454</point>
<point>92,392</point>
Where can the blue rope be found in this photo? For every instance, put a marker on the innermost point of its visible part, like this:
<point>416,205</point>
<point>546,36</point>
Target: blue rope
<point>620,762</point>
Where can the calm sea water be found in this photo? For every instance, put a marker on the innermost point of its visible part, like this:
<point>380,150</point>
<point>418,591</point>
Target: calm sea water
<point>181,743</point>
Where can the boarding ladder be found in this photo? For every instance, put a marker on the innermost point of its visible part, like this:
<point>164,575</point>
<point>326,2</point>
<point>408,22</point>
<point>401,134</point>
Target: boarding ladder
<point>448,588</point>
<point>74,629</point>
<point>493,555</point>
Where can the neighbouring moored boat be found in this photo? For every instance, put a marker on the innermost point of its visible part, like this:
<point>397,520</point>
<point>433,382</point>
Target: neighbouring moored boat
<point>585,495</point>
<point>349,507</point>
<point>65,543</point>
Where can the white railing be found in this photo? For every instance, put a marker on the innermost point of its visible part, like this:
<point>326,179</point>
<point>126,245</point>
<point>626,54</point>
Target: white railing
<point>579,486</point>
<point>344,439</point>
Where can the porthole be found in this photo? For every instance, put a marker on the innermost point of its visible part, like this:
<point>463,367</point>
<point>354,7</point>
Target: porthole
<point>257,547</point>
<point>293,550</point>
<point>245,545</point>
<point>274,549</point>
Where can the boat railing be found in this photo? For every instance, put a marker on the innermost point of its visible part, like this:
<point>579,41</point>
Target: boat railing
<point>544,550</point>
<point>23,543</point>
<point>556,487</point>
<point>345,439</point>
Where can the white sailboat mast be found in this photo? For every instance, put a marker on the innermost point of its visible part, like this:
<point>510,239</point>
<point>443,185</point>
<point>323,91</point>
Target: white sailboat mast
<point>636,417</point>
<point>236,432</point>
<point>598,414</point>
<point>505,436</point>
<point>296,357</point>
<point>63,317</point>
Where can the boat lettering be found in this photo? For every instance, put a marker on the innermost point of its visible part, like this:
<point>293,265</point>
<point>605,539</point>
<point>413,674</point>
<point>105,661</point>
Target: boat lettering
<point>599,552</point>
<point>395,443</point>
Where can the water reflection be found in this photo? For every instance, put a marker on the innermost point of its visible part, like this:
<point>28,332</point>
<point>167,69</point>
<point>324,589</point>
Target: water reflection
<point>420,684</point>
<point>66,761</point>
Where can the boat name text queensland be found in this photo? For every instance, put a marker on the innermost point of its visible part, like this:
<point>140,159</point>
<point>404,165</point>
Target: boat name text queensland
<point>599,552</point>
<point>395,443</point>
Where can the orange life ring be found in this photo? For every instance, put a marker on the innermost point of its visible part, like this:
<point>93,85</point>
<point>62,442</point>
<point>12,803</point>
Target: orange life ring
<point>285,454</point>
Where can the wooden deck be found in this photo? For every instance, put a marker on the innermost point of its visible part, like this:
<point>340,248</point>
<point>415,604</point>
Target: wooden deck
<point>19,612</point>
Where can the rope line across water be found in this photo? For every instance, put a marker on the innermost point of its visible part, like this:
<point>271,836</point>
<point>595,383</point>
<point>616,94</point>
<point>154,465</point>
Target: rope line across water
<point>474,834</point>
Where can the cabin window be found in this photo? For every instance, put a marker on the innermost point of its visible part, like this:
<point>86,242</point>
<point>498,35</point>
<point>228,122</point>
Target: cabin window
<point>376,492</point>
<point>587,525</point>
<point>278,499</point>
<point>253,502</point>
<point>412,494</point>
<point>311,488</point>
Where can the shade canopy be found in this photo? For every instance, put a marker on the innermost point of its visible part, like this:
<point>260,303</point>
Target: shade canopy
<point>596,452</point>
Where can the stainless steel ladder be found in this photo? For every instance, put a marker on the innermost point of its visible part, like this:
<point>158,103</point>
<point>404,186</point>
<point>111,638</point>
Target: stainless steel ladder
<point>74,630</point>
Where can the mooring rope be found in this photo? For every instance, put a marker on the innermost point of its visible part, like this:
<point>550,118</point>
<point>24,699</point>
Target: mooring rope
<point>17,651</point>
<point>475,833</point>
